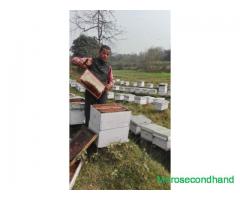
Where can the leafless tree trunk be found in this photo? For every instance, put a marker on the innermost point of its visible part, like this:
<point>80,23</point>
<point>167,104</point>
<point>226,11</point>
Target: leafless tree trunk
<point>99,22</point>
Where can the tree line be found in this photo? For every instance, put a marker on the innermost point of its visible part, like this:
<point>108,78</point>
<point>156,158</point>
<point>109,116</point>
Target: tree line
<point>154,59</point>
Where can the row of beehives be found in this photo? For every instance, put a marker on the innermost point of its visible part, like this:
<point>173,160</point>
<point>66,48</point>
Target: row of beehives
<point>139,84</point>
<point>112,122</point>
<point>157,135</point>
<point>141,87</point>
<point>159,103</point>
<point>136,90</point>
<point>78,86</point>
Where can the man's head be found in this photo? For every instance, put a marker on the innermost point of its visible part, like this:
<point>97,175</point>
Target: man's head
<point>104,53</point>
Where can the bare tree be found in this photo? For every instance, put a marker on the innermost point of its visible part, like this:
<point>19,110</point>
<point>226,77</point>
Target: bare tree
<point>101,22</point>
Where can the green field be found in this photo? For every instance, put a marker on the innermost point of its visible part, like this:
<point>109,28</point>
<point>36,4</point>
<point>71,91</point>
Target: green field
<point>132,165</point>
<point>137,75</point>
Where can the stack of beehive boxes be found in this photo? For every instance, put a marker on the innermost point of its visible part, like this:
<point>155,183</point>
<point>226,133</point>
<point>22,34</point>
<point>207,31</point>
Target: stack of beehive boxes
<point>110,122</point>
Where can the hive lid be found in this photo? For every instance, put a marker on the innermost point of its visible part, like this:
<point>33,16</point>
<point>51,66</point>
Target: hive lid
<point>156,129</point>
<point>140,119</point>
<point>112,107</point>
<point>92,83</point>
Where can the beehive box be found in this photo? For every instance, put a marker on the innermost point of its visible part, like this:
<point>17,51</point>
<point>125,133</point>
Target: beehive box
<point>162,88</point>
<point>119,96</point>
<point>136,121</point>
<point>159,99</point>
<point>158,135</point>
<point>129,97</point>
<point>73,83</point>
<point>149,85</point>
<point>139,90</point>
<point>121,82</point>
<point>152,91</point>
<point>126,83</point>
<point>116,87</point>
<point>77,115</point>
<point>80,88</point>
<point>134,84</point>
<point>110,95</point>
<point>140,100</point>
<point>161,105</point>
<point>141,84</point>
<point>110,122</point>
<point>131,89</point>
<point>150,99</point>
<point>122,88</point>
<point>110,136</point>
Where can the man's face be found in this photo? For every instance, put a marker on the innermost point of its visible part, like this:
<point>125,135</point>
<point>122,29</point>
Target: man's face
<point>104,54</point>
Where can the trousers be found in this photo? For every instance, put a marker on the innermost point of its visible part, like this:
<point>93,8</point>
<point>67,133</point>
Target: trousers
<point>90,100</point>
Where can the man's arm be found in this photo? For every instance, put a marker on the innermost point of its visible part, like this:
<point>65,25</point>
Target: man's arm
<point>110,79</point>
<point>82,62</point>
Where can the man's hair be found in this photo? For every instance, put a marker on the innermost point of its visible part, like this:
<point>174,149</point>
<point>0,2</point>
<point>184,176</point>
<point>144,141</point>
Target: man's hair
<point>104,47</point>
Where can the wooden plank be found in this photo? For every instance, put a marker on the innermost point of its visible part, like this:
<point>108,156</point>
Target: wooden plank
<point>74,172</point>
<point>80,143</point>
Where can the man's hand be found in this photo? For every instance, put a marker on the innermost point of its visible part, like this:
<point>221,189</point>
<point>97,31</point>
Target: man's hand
<point>108,87</point>
<point>82,62</point>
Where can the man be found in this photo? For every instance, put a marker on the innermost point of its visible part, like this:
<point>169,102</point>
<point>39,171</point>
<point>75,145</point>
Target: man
<point>102,70</point>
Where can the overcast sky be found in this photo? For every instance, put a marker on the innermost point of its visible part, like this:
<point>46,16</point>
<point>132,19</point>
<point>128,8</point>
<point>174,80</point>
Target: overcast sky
<point>143,29</point>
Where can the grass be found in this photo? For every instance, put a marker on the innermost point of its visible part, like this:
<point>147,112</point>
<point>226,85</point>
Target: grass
<point>121,166</point>
<point>136,75</point>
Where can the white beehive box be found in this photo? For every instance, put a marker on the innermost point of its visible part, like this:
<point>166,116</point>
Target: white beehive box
<point>118,80</point>
<point>119,96</point>
<point>73,83</point>
<point>136,121</point>
<point>162,88</point>
<point>129,97</point>
<point>77,115</point>
<point>127,89</point>
<point>159,135</point>
<point>149,85</point>
<point>161,105</point>
<point>110,136</point>
<point>80,88</point>
<point>149,99</point>
<point>139,90</point>
<point>110,122</point>
<point>116,87</point>
<point>140,100</point>
<point>159,99</point>
<point>152,91</point>
<point>110,95</point>
<point>131,89</point>
<point>121,82</point>
<point>126,83</point>
<point>122,88</point>
<point>141,84</point>
<point>134,84</point>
